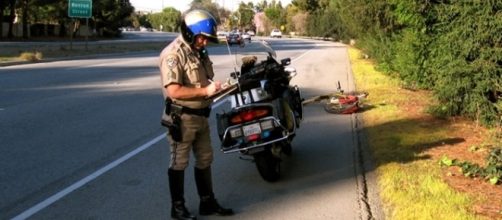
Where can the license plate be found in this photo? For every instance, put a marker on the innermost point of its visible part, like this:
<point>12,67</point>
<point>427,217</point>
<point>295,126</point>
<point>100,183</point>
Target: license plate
<point>251,129</point>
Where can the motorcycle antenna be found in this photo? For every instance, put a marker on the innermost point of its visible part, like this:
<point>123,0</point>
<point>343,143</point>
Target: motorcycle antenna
<point>237,73</point>
<point>230,53</point>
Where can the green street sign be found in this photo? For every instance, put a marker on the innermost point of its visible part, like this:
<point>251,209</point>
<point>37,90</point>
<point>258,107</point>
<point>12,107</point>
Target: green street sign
<point>80,8</point>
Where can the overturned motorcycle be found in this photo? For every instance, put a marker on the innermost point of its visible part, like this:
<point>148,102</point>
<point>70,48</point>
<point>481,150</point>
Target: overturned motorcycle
<point>265,109</point>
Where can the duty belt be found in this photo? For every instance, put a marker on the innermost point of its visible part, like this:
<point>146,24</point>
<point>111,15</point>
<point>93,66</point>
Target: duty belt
<point>193,111</point>
<point>170,107</point>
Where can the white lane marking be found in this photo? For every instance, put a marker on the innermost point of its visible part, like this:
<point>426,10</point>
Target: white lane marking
<point>305,53</point>
<point>31,211</point>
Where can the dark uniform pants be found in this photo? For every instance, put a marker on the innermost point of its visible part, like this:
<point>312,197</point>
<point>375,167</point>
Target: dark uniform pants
<point>196,138</point>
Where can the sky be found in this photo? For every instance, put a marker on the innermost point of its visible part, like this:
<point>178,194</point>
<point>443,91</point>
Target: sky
<point>182,5</point>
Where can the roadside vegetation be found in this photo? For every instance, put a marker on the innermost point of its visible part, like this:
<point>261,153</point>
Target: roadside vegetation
<point>435,83</point>
<point>44,18</point>
<point>410,146</point>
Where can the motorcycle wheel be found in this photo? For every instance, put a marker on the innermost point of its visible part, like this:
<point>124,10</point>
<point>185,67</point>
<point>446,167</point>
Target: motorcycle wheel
<point>297,101</point>
<point>268,165</point>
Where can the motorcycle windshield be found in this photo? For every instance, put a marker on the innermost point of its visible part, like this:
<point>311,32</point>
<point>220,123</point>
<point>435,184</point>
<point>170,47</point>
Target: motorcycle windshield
<point>246,57</point>
<point>262,50</point>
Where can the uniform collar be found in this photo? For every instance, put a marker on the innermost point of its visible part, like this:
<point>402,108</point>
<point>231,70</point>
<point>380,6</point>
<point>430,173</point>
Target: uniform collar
<point>188,47</point>
<point>184,44</point>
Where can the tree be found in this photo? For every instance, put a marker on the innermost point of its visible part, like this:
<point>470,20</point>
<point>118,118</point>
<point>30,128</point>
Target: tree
<point>110,15</point>
<point>306,5</point>
<point>207,5</point>
<point>296,20</point>
<point>246,15</point>
<point>169,19</point>
<point>261,6</point>
<point>107,15</point>
<point>12,17</point>
<point>224,16</point>
<point>275,16</point>
<point>3,5</point>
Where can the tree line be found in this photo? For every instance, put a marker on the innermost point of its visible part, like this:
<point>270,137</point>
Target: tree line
<point>274,16</point>
<point>44,17</point>
<point>38,16</point>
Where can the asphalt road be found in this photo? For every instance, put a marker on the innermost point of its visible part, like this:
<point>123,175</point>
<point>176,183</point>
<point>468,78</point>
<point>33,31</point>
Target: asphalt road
<point>81,140</point>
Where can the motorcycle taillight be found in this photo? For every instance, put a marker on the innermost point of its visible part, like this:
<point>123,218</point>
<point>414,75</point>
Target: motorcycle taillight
<point>249,115</point>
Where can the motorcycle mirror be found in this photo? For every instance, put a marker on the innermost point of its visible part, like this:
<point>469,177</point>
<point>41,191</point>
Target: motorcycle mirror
<point>286,61</point>
<point>234,75</point>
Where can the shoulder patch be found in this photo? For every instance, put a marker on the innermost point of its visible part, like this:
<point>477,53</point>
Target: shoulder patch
<point>172,62</point>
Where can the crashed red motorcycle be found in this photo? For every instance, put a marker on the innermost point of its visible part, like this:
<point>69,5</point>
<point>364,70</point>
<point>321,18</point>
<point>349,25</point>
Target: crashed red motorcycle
<point>340,102</point>
<point>265,109</point>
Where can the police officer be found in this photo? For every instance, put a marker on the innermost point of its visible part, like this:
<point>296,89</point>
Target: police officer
<point>186,75</point>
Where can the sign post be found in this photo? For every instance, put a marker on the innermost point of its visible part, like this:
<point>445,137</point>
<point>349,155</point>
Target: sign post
<point>80,9</point>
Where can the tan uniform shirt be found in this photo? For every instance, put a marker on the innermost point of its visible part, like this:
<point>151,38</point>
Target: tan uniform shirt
<point>180,64</point>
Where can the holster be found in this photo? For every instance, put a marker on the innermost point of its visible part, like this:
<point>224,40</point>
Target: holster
<point>174,125</point>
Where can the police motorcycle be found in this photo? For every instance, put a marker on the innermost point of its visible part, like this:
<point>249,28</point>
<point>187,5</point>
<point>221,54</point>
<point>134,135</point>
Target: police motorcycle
<point>265,109</point>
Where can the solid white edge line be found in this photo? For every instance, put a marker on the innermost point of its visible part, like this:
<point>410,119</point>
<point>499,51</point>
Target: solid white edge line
<point>31,211</point>
<point>305,53</point>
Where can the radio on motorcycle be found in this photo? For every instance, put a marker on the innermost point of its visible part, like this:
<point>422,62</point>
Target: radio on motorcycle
<point>265,109</point>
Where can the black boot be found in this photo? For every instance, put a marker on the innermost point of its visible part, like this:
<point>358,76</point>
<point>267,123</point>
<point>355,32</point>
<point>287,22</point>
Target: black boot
<point>208,204</point>
<point>176,186</point>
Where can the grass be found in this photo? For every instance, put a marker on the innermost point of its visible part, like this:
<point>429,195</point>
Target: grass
<point>400,134</point>
<point>31,56</point>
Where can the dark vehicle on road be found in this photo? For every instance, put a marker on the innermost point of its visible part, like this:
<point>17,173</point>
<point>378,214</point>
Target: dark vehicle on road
<point>234,38</point>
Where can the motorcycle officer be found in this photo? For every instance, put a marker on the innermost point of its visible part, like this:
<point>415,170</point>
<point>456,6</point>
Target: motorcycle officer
<point>186,75</point>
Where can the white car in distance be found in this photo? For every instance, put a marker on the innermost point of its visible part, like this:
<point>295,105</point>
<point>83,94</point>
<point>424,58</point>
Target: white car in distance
<point>276,33</point>
<point>246,36</point>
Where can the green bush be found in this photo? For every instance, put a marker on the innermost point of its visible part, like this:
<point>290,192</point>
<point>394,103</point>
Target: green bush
<point>492,172</point>
<point>466,58</point>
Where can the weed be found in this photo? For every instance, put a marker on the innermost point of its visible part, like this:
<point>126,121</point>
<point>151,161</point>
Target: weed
<point>492,172</point>
<point>30,56</point>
